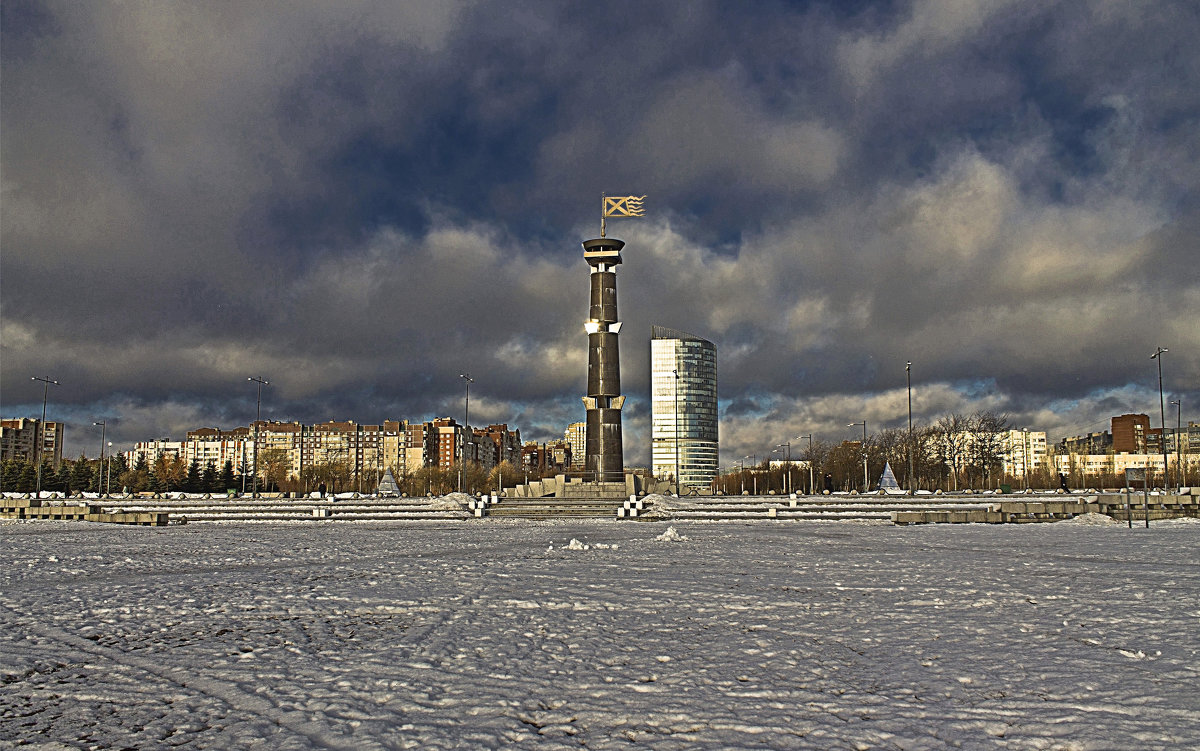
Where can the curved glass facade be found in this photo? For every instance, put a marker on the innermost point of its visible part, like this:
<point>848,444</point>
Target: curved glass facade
<point>683,403</point>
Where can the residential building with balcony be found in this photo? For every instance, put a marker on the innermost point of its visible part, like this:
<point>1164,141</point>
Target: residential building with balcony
<point>20,437</point>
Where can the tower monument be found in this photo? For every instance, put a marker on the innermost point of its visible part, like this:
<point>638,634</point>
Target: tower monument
<point>604,456</point>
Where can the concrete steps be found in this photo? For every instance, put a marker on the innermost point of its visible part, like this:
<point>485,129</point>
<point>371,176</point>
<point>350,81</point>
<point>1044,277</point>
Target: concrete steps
<point>34,508</point>
<point>1172,506</point>
<point>555,508</point>
<point>920,509</point>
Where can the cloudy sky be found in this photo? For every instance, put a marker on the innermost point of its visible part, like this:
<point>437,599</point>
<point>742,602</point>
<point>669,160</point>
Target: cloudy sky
<point>358,201</point>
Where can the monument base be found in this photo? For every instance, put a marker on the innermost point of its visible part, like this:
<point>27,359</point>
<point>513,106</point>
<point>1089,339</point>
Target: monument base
<point>564,486</point>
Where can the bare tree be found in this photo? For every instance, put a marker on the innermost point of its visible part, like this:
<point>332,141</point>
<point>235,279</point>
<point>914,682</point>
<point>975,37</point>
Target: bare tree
<point>987,444</point>
<point>891,447</point>
<point>950,444</point>
<point>844,463</point>
<point>928,469</point>
<point>817,455</point>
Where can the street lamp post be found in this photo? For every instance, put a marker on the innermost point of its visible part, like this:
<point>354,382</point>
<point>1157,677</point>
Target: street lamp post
<point>1178,448</point>
<point>466,419</point>
<point>769,460</point>
<point>908,385</point>
<point>811,488</point>
<point>100,479</point>
<point>257,419</point>
<point>678,484</point>
<point>1162,413</point>
<point>41,431</point>
<point>866,480</point>
<point>108,485</point>
<point>788,481</point>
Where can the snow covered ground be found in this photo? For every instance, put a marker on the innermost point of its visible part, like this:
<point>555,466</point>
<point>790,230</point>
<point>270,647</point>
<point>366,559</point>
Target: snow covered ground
<point>604,634</point>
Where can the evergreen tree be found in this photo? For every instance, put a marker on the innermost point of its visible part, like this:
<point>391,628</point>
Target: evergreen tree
<point>28,478</point>
<point>140,481</point>
<point>117,467</point>
<point>49,476</point>
<point>227,480</point>
<point>62,478</point>
<point>82,476</point>
<point>208,479</point>
<point>10,470</point>
<point>192,483</point>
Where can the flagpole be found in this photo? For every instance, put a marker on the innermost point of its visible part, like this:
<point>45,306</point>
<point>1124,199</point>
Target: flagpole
<point>603,212</point>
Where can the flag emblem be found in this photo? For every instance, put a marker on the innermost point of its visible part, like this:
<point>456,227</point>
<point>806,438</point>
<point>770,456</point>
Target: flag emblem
<point>624,206</point>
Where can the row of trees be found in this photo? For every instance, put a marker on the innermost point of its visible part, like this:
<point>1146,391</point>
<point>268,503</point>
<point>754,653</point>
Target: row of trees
<point>168,473</point>
<point>956,453</point>
<point>84,475</point>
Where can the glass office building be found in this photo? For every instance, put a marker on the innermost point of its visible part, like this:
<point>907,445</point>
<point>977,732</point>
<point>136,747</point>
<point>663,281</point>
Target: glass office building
<point>683,399</point>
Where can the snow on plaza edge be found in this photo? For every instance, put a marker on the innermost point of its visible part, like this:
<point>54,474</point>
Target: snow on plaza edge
<point>600,635</point>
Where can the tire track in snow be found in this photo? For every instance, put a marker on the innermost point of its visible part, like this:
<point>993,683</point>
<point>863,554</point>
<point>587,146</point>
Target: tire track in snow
<point>223,691</point>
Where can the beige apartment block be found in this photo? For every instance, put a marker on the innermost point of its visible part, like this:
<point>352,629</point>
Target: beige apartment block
<point>1024,451</point>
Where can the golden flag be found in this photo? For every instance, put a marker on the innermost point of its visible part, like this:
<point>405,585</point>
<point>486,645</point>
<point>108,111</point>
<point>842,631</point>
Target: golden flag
<point>624,206</point>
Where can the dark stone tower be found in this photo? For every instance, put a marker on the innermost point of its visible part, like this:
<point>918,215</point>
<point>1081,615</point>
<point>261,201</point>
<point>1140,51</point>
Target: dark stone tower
<point>604,456</point>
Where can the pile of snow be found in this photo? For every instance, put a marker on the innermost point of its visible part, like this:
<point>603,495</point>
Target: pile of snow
<point>671,536</point>
<point>451,502</point>
<point>1091,519</point>
<point>1183,521</point>
<point>665,502</point>
<point>662,506</point>
<point>575,545</point>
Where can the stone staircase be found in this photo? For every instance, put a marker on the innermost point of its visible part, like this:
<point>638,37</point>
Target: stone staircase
<point>903,509</point>
<point>37,508</point>
<point>555,508</point>
<point>292,509</point>
<point>923,509</point>
<point>1050,508</point>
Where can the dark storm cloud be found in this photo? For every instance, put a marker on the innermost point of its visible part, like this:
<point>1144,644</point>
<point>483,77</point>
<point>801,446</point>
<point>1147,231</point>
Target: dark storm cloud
<point>362,200</point>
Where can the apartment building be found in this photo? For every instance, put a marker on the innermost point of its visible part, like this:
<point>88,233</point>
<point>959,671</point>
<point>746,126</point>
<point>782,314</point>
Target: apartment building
<point>216,446</point>
<point>1089,443</point>
<point>152,450</point>
<point>1132,434</point>
<point>20,437</point>
<point>576,436</point>
<point>1098,464</point>
<point>505,443</point>
<point>362,449</point>
<point>1024,451</point>
<point>544,459</point>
